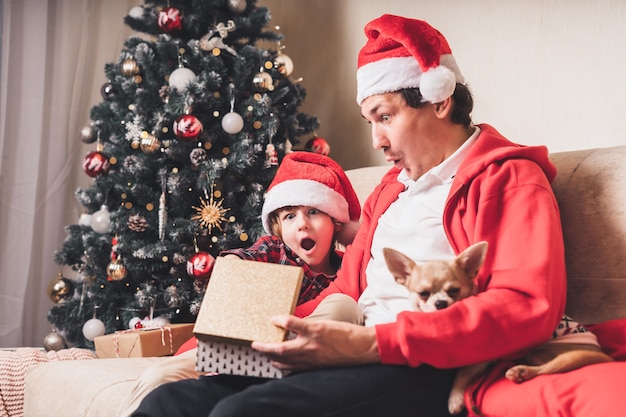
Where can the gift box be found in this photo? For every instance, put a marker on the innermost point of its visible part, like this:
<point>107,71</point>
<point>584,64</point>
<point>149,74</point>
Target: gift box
<point>240,299</point>
<point>162,341</point>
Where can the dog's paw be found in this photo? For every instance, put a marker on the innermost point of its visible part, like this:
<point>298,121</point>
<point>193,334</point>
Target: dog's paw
<point>519,373</point>
<point>455,402</point>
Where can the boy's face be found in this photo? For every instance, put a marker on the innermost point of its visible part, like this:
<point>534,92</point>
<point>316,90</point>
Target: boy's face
<point>309,233</point>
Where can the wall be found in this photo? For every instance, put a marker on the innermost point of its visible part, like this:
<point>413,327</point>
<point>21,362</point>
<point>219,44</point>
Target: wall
<point>542,71</point>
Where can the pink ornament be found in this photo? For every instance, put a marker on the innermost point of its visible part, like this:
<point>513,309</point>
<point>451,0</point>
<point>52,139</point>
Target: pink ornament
<point>318,145</point>
<point>200,265</point>
<point>96,163</point>
<point>170,19</point>
<point>187,127</point>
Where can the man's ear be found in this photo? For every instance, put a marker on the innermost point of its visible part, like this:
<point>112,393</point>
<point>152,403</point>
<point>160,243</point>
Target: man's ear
<point>443,108</point>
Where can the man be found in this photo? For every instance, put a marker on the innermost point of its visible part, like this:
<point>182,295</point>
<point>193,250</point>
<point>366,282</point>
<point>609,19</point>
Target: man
<point>452,184</point>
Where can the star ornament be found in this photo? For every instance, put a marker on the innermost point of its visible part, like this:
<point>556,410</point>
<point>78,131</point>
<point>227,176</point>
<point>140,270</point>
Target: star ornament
<point>210,214</point>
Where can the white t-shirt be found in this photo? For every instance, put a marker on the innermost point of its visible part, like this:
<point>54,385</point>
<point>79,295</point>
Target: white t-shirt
<point>413,225</point>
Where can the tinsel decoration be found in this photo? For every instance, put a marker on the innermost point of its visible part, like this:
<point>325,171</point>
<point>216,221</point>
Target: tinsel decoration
<point>162,210</point>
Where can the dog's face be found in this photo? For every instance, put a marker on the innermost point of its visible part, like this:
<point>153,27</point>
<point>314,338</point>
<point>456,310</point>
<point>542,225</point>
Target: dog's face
<point>435,285</point>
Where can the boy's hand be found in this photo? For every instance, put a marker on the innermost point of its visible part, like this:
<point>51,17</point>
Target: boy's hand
<point>320,343</point>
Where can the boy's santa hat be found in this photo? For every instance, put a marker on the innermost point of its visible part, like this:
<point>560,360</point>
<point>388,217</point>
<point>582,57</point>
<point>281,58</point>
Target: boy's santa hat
<point>406,53</point>
<point>311,179</point>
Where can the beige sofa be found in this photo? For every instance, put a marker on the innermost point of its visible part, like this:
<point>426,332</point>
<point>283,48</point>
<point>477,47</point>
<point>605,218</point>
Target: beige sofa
<point>591,190</point>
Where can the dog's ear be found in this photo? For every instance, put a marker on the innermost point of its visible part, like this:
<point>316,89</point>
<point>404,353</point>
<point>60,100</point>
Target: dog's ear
<point>399,264</point>
<point>472,258</point>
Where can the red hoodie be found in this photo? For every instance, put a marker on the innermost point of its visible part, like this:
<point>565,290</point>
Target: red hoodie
<point>500,194</point>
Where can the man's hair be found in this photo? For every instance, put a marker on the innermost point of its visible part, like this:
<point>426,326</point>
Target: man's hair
<point>462,97</point>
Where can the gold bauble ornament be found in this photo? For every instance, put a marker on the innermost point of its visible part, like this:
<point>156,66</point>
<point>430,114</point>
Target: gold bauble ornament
<point>263,81</point>
<point>130,67</point>
<point>149,143</point>
<point>116,270</point>
<point>60,289</point>
<point>284,64</point>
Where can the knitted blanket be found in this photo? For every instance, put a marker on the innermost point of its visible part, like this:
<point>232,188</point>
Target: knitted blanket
<point>13,367</point>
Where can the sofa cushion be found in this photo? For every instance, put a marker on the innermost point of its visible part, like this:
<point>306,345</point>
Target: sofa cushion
<point>595,390</point>
<point>82,388</point>
<point>612,337</point>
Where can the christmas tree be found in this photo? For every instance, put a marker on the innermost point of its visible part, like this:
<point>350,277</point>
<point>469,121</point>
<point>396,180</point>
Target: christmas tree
<point>194,120</point>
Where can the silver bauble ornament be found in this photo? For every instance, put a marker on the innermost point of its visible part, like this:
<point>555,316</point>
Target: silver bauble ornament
<point>88,134</point>
<point>53,341</point>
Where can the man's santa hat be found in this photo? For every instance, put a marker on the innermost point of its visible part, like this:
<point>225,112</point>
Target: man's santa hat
<point>311,179</point>
<point>406,53</point>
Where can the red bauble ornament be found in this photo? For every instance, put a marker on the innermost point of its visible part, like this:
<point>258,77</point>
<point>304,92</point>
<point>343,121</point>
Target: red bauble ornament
<point>318,145</point>
<point>170,19</point>
<point>187,127</point>
<point>96,163</point>
<point>200,265</point>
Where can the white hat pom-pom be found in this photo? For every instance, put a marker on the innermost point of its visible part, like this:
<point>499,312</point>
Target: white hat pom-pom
<point>437,84</point>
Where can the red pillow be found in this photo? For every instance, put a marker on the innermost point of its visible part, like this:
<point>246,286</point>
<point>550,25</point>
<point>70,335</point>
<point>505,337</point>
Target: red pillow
<point>595,390</point>
<point>612,337</point>
<point>188,345</point>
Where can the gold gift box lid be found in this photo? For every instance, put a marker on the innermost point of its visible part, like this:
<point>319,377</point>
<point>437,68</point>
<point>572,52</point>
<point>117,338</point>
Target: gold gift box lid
<point>242,296</point>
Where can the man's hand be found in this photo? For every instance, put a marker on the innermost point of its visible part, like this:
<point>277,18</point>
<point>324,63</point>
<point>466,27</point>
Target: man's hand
<point>320,343</point>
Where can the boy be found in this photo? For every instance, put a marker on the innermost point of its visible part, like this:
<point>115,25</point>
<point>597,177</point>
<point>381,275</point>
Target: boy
<point>309,206</point>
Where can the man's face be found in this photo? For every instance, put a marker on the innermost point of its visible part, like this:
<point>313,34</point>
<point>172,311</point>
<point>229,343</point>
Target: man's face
<point>404,134</point>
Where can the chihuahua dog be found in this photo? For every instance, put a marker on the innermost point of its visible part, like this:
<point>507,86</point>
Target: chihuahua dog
<point>435,285</point>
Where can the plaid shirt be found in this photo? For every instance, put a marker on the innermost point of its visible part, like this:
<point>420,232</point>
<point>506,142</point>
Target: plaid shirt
<point>272,249</point>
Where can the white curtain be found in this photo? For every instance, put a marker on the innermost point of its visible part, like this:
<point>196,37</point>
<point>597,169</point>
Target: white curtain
<point>51,69</point>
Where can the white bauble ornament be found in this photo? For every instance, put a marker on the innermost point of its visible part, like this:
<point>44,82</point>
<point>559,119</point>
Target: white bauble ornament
<point>136,12</point>
<point>237,6</point>
<point>93,328</point>
<point>84,219</point>
<point>101,220</point>
<point>232,123</point>
<point>181,77</point>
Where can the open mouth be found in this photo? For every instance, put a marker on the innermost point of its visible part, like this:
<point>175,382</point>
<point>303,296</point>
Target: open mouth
<point>307,244</point>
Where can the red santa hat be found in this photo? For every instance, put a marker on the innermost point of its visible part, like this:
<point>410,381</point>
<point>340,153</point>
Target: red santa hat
<point>311,179</point>
<point>406,53</point>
